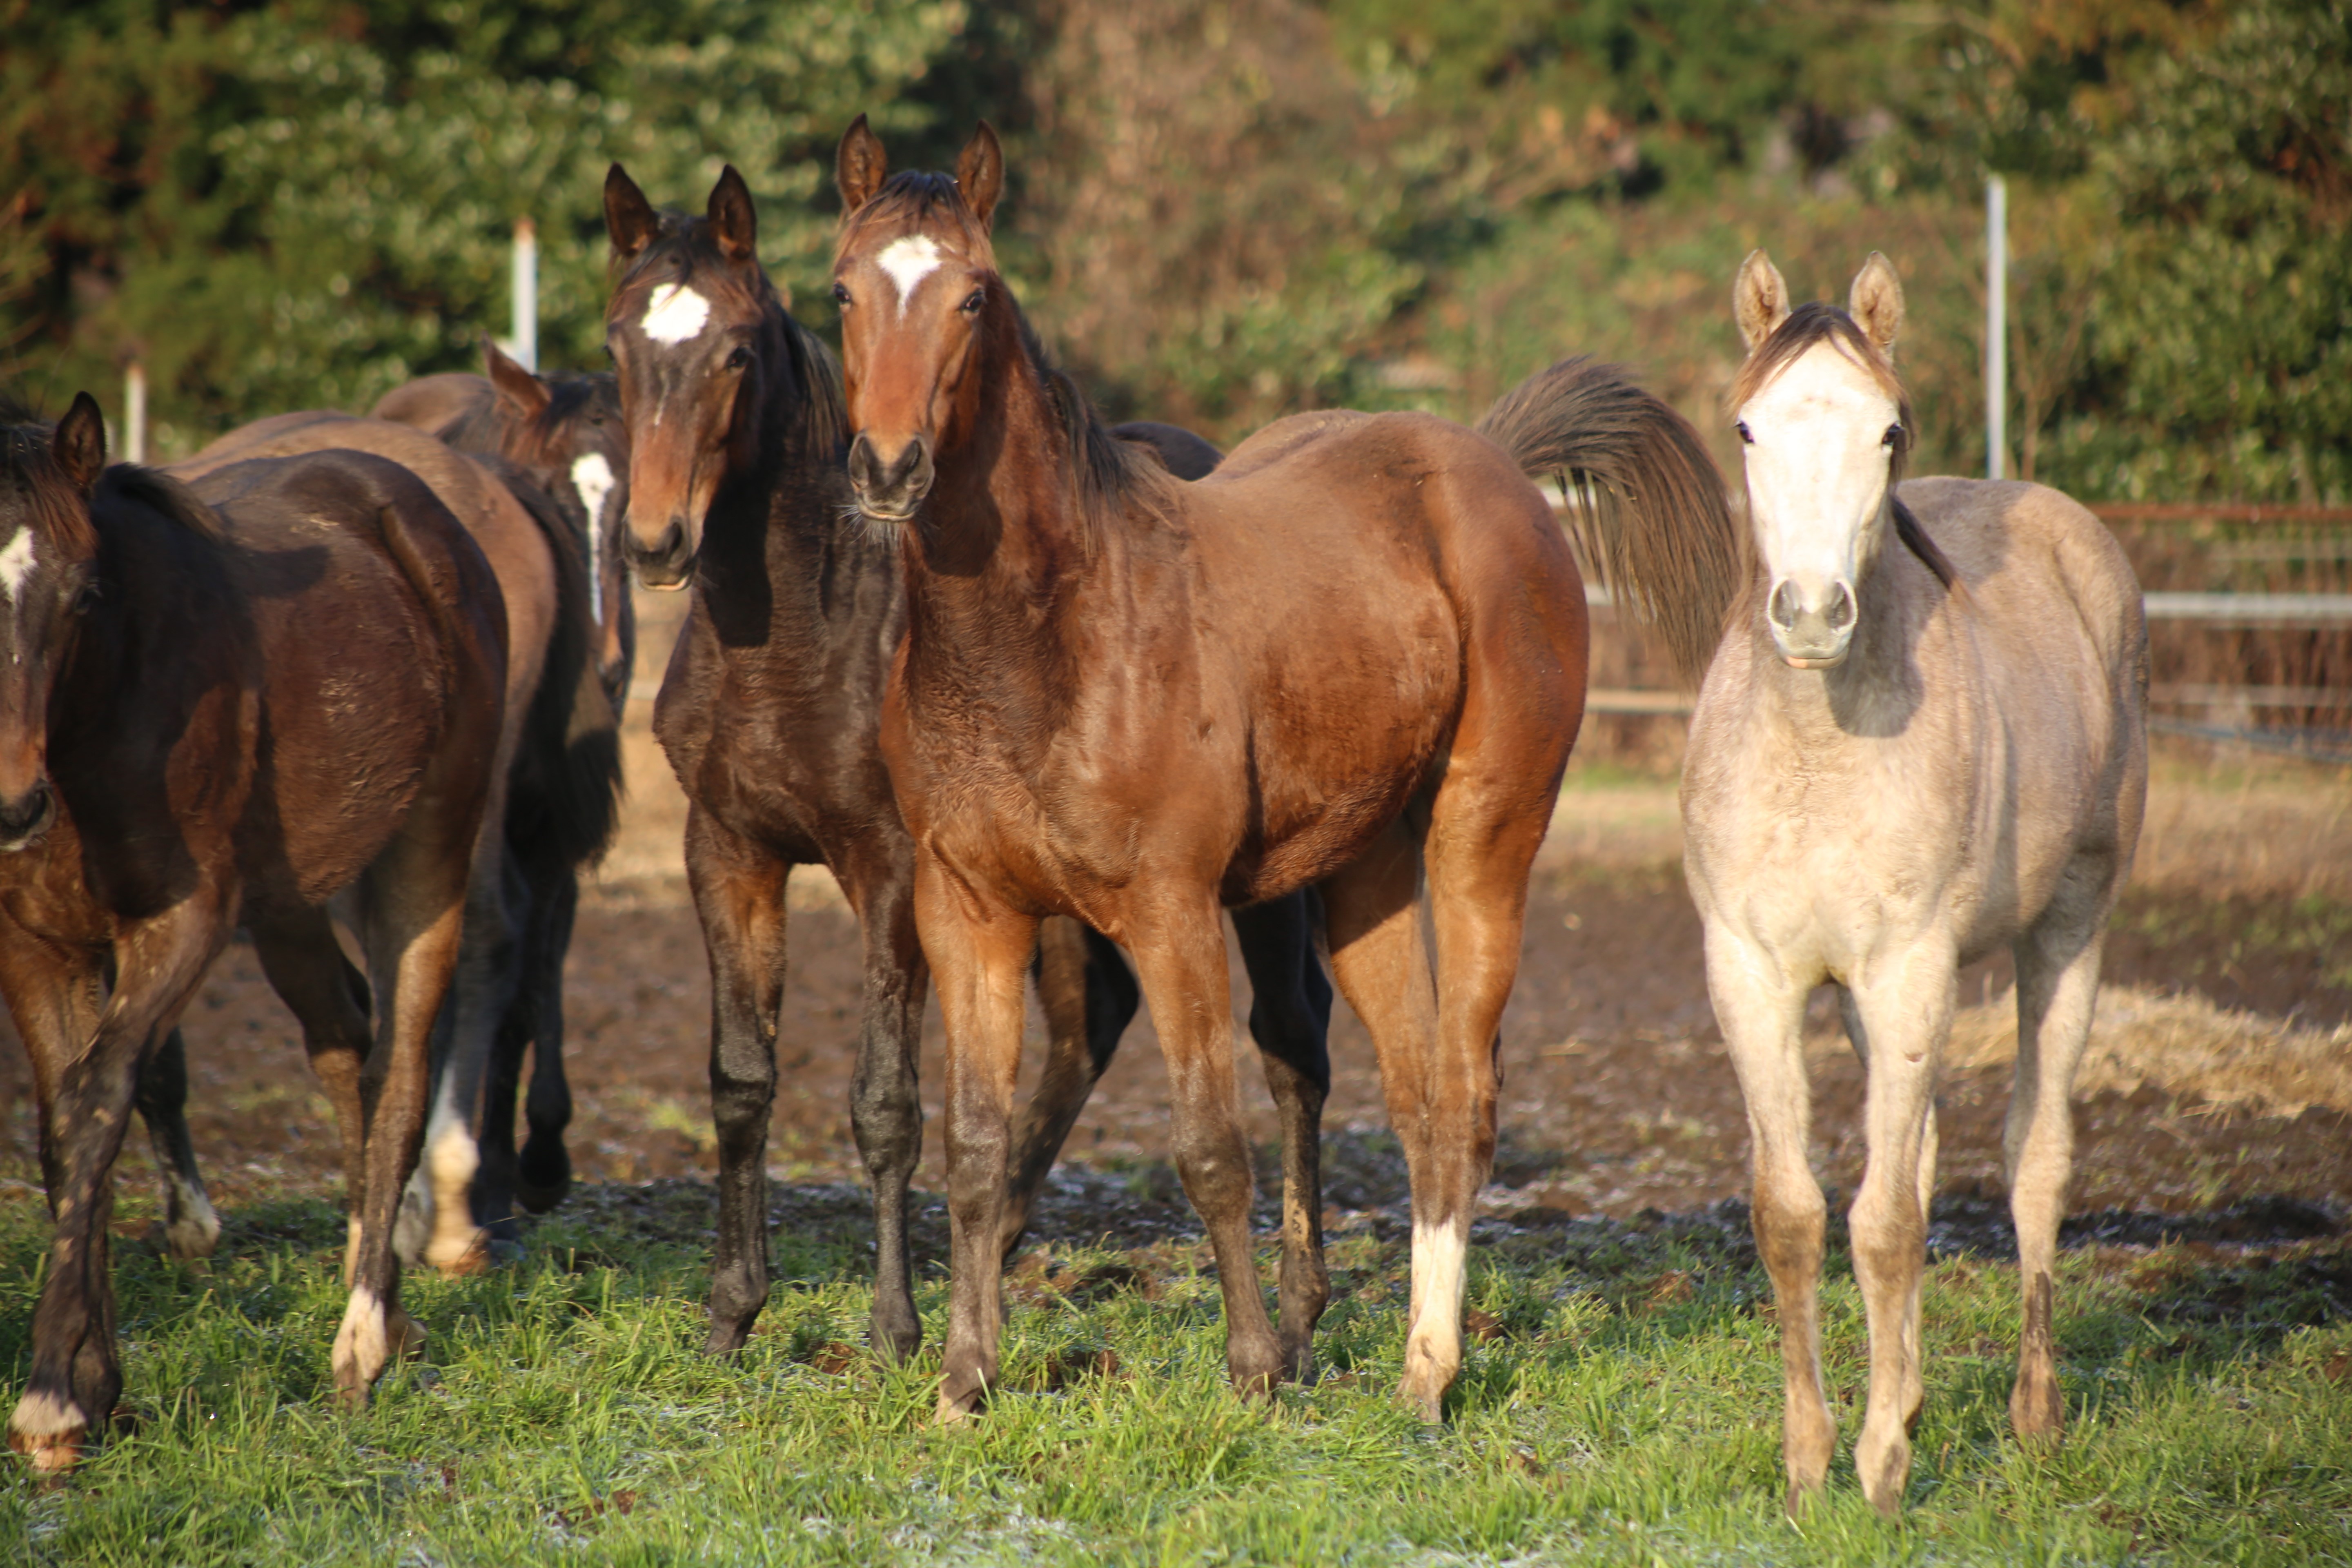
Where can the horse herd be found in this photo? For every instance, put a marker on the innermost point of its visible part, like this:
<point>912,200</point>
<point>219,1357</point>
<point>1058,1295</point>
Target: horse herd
<point>1039,692</point>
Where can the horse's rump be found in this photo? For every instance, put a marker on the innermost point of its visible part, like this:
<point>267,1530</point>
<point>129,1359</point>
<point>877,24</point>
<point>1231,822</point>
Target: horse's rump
<point>366,597</point>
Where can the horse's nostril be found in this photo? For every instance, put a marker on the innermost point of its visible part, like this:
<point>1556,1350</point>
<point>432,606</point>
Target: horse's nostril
<point>27,812</point>
<point>1840,613</point>
<point>1784,608</point>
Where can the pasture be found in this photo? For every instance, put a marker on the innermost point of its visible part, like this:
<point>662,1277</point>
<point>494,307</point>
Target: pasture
<point>1617,1401</point>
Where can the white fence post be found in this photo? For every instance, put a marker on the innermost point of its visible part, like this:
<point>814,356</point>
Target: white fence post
<point>134,413</point>
<point>526,294</point>
<point>1995,360</point>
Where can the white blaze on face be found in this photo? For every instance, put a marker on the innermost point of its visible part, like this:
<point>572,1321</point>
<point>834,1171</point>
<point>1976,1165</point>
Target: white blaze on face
<point>593,477</point>
<point>909,261</point>
<point>673,314</point>
<point>1817,465</point>
<point>16,563</point>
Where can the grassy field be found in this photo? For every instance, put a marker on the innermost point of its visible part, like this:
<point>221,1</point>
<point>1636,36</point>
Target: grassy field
<point>1620,1404</point>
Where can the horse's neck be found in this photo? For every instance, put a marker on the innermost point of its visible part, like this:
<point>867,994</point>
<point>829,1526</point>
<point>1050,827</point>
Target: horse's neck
<point>788,566</point>
<point>1002,551</point>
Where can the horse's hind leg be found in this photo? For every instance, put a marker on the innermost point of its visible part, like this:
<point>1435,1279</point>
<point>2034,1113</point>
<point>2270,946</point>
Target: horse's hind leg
<point>739,892</point>
<point>190,1228</point>
<point>1089,998</point>
<point>886,1110</point>
<point>1372,912</point>
<point>1905,1006</point>
<point>545,1173</point>
<point>1760,1006</point>
<point>2057,985</point>
<point>1290,1018</point>
<point>306,966</point>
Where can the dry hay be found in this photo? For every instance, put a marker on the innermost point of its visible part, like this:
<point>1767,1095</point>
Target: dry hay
<point>2183,1046</point>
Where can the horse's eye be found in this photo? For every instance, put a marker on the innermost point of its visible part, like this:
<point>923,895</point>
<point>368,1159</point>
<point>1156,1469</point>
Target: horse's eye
<point>1892,437</point>
<point>87,597</point>
<point>738,358</point>
<point>841,294</point>
<point>979,298</point>
<point>1745,434</point>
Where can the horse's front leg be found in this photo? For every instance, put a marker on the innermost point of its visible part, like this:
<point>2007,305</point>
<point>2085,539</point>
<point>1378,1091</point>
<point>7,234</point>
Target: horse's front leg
<point>739,892</point>
<point>1180,953</point>
<point>1905,1005</point>
<point>885,1106</point>
<point>978,951</point>
<point>1760,1006</point>
<point>1290,1019</point>
<point>77,1376</point>
<point>1088,998</point>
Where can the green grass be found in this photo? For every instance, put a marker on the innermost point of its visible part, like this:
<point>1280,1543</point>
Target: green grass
<point>1626,1410</point>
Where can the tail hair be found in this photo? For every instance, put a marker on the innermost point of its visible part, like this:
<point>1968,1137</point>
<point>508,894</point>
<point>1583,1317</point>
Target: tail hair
<point>1646,507</point>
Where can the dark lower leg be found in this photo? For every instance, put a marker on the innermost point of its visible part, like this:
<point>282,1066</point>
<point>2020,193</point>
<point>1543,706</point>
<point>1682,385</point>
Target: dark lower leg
<point>191,1228</point>
<point>1290,1016</point>
<point>543,1173</point>
<point>886,1111</point>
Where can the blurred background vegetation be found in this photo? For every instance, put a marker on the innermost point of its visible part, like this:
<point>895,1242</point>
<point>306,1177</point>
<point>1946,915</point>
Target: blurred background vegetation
<point>1226,211</point>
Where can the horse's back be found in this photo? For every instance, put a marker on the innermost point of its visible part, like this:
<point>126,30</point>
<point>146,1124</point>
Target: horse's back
<point>2028,552</point>
<point>435,404</point>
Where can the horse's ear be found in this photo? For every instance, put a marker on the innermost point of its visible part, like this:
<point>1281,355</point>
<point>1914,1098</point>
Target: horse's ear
<point>733,224</point>
<point>860,167</point>
<point>1759,299</point>
<point>79,444</point>
<point>629,218</point>
<point>980,173</point>
<point>1875,303</point>
<point>515,384</point>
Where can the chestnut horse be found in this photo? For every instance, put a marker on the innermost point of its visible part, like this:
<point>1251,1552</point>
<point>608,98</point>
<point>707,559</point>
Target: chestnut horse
<point>1923,738</point>
<point>1358,644</point>
<point>560,794</point>
<point>567,436</point>
<point>228,703</point>
<point>769,715</point>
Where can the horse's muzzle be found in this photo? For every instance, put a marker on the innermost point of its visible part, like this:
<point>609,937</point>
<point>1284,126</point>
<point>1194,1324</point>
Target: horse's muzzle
<point>1810,635</point>
<point>667,563</point>
<point>25,820</point>
<point>890,491</point>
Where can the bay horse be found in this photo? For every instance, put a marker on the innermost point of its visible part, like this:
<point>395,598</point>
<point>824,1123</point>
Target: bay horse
<point>1923,739</point>
<point>566,434</point>
<point>556,782</point>
<point>770,714</point>
<point>1360,644</point>
<point>227,703</point>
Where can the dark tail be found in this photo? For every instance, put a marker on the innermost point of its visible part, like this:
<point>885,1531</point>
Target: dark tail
<point>564,802</point>
<point>1646,504</point>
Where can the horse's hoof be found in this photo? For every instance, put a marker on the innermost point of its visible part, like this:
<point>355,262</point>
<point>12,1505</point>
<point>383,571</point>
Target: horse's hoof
<point>541,1183</point>
<point>458,1259</point>
<point>726,1338</point>
<point>48,1432</point>
<point>894,1341</point>
<point>1424,1401</point>
<point>2036,1413</point>
<point>952,1411</point>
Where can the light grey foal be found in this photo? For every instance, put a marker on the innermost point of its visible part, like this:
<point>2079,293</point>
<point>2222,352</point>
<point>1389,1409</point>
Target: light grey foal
<point>1923,737</point>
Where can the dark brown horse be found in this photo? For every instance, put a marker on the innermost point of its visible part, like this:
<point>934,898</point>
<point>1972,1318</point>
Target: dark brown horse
<point>560,794</point>
<point>1359,646</point>
<point>566,435</point>
<point>228,703</point>
<point>769,715</point>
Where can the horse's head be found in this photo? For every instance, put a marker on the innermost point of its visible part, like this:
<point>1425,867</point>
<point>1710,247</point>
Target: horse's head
<point>48,577</point>
<point>569,432</point>
<point>914,273</point>
<point>688,331</point>
<point>1826,425</point>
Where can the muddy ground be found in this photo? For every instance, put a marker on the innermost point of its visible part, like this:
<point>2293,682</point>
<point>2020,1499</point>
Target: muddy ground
<point>1618,1095</point>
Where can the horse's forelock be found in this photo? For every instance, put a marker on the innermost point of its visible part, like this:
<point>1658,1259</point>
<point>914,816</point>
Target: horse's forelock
<point>1812,322</point>
<point>920,201</point>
